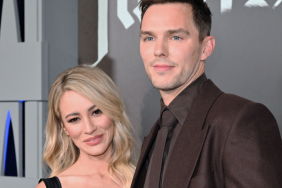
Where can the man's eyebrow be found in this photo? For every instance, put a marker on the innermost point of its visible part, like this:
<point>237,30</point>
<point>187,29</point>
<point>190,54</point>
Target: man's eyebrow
<point>175,31</point>
<point>146,33</point>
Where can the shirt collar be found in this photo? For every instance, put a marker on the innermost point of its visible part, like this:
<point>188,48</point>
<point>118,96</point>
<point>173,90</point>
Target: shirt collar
<point>182,103</point>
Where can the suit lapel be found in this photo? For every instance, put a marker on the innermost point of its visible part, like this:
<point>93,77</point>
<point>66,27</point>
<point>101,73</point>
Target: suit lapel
<point>146,146</point>
<point>190,140</point>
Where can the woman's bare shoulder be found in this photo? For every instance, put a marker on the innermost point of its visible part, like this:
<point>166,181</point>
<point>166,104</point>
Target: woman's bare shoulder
<point>41,185</point>
<point>68,176</point>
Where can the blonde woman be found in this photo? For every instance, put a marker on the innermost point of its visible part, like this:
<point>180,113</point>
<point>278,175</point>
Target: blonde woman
<point>88,140</point>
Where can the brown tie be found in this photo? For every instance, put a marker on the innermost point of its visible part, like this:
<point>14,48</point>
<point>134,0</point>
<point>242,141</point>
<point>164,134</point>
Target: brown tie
<point>167,122</point>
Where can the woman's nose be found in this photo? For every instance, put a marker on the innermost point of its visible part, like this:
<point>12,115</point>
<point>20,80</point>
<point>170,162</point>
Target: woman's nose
<point>89,126</point>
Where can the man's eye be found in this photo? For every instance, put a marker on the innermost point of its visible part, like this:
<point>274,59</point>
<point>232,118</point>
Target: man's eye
<point>176,38</point>
<point>149,38</point>
<point>73,120</point>
<point>98,111</point>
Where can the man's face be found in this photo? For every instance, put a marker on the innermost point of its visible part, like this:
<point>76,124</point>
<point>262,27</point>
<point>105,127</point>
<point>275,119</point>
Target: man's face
<point>170,46</point>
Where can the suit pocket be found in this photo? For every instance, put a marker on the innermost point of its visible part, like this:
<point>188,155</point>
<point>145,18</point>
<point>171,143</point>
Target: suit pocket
<point>203,181</point>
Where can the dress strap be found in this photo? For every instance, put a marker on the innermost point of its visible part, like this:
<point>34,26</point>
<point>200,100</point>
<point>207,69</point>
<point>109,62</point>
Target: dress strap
<point>53,182</point>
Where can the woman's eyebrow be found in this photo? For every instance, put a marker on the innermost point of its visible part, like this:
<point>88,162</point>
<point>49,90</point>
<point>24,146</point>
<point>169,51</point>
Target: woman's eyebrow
<point>92,107</point>
<point>76,113</point>
<point>72,114</point>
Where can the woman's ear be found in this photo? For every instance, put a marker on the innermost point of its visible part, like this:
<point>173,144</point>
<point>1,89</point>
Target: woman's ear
<point>66,132</point>
<point>64,129</point>
<point>209,44</point>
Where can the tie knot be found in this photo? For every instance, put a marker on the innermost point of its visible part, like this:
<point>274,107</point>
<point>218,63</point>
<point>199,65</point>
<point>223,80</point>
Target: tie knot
<point>168,119</point>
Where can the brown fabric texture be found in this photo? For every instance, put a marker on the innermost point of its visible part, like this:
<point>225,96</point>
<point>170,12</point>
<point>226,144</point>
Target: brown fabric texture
<point>226,141</point>
<point>167,124</point>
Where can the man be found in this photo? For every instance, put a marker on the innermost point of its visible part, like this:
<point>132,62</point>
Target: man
<point>204,137</point>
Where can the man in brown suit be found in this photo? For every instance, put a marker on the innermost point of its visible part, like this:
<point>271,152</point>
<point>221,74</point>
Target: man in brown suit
<point>204,137</point>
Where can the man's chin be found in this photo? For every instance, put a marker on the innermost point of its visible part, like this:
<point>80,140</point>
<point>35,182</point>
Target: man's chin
<point>165,87</point>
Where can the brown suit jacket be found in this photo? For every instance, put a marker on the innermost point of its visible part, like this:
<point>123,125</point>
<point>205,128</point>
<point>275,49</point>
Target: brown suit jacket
<point>226,141</point>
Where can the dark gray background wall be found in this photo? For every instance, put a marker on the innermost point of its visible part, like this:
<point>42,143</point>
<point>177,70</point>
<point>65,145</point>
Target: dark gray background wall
<point>247,59</point>
<point>60,31</point>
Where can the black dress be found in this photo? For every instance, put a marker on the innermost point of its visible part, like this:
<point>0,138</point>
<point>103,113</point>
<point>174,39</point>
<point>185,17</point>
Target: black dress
<point>53,182</point>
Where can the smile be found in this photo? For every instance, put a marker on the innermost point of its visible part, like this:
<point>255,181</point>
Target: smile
<point>94,140</point>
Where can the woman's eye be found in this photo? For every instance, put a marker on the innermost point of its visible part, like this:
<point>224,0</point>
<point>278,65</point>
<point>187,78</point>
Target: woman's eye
<point>176,38</point>
<point>149,38</point>
<point>97,112</point>
<point>73,120</point>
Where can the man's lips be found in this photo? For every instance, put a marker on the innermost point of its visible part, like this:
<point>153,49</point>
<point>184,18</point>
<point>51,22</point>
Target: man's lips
<point>162,67</point>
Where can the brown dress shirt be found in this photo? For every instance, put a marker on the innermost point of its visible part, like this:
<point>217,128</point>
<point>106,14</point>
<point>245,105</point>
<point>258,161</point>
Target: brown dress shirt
<point>179,107</point>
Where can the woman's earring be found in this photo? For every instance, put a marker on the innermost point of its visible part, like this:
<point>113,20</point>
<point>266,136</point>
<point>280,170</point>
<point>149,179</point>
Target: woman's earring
<point>67,134</point>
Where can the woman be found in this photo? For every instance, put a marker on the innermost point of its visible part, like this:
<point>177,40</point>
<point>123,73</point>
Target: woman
<point>88,141</point>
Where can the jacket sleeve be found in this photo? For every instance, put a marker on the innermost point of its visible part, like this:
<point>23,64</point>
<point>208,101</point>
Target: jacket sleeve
<point>252,154</point>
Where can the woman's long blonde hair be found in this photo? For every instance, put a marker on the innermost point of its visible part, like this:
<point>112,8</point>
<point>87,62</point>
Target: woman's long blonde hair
<point>92,83</point>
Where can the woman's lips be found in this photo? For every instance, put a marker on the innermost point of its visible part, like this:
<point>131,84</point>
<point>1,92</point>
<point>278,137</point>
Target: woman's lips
<point>94,140</point>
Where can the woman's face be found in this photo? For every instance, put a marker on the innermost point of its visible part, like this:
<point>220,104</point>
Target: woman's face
<point>88,127</point>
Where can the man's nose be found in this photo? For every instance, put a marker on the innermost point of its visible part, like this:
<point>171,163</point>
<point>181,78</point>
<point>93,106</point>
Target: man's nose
<point>161,48</point>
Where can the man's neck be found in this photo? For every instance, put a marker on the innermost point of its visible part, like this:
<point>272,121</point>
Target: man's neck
<point>169,95</point>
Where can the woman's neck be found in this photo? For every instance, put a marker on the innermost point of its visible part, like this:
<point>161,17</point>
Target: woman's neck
<point>89,165</point>
<point>99,163</point>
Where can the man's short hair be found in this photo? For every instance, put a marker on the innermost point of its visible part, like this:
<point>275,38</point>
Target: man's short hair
<point>200,10</point>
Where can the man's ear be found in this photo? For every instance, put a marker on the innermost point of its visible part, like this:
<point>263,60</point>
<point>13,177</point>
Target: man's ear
<point>209,44</point>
